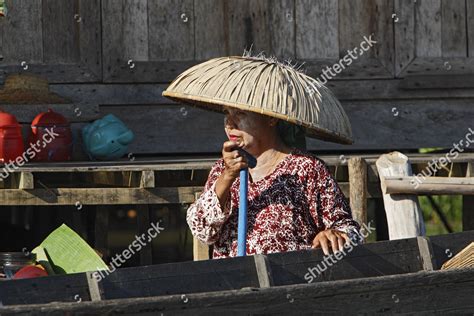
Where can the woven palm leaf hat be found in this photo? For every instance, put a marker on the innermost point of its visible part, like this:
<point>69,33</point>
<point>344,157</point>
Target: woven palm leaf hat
<point>265,86</point>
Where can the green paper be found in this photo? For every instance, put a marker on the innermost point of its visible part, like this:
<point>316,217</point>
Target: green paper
<point>64,252</point>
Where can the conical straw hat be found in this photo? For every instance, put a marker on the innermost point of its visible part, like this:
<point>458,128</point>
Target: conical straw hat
<point>264,86</point>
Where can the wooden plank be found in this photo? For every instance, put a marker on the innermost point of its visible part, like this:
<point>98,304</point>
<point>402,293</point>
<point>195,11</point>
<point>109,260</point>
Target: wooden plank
<point>171,30</point>
<point>112,26</point>
<point>57,73</point>
<point>426,253</point>
<point>439,66</point>
<point>362,261</point>
<point>356,24</point>
<point>94,288</point>
<point>470,27</point>
<point>264,272</point>
<point>23,38</point>
<point>411,120</point>
<point>97,196</point>
<point>468,203</point>
<point>60,31</point>
<point>438,82</point>
<point>317,32</point>
<point>453,29</point>
<point>181,278</point>
<point>282,28</point>
<point>186,163</point>
<point>72,112</point>
<point>210,137</point>
<point>404,28</point>
<point>263,26</point>
<point>211,29</point>
<point>143,224</point>
<point>127,52</point>
<point>135,30</point>
<point>65,288</point>
<point>428,185</point>
<point>358,189</point>
<point>428,28</point>
<point>345,90</point>
<point>442,290</point>
<point>403,212</point>
<point>90,37</point>
<point>447,246</point>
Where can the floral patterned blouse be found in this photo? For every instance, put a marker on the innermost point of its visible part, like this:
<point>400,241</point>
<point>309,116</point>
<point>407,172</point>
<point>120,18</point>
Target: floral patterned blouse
<point>286,209</point>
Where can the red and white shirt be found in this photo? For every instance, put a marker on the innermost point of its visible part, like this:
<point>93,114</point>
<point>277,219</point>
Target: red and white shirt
<point>286,209</point>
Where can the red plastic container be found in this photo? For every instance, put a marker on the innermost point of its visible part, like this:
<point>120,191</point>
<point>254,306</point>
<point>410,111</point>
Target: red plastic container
<point>11,141</point>
<point>51,133</point>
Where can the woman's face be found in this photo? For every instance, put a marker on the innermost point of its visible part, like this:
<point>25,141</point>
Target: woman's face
<point>250,130</point>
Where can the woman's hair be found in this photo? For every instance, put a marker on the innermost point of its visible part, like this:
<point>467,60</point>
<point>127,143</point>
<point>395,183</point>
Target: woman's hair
<point>292,135</point>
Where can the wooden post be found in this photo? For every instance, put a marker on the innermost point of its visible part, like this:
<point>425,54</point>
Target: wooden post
<point>101,230</point>
<point>143,220</point>
<point>358,189</point>
<point>26,181</point>
<point>403,212</point>
<point>147,179</point>
<point>468,203</point>
<point>200,249</point>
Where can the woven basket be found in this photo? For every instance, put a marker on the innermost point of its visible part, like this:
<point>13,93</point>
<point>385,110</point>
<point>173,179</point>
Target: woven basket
<point>267,87</point>
<point>28,89</point>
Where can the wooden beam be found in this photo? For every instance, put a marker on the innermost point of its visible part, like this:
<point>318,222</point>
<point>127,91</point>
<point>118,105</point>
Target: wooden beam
<point>468,203</point>
<point>403,212</point>
<point>98,196</point>
<point>358,189</point>
<point>428,186</point>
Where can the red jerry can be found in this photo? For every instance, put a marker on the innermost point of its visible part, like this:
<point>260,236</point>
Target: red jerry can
<point>11,141</point>
<point>50,137</point>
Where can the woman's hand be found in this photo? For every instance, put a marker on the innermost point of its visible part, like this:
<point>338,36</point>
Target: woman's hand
<point>330,238</point>
<point>233,160</point>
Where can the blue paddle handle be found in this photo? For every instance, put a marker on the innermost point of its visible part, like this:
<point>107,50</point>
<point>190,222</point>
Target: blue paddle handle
<point>242,226</point>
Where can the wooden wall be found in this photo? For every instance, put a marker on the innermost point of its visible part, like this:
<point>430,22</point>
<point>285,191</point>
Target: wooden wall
<point>414,88</point>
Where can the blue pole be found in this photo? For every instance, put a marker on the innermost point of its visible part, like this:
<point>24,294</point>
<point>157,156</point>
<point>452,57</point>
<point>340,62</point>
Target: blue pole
<point>242,226</point>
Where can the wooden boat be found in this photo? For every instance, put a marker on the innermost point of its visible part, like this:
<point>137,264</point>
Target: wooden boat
<point>399,276</point>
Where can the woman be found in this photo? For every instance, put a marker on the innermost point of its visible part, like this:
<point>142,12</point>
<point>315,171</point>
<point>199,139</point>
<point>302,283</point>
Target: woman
<point>293,201</point>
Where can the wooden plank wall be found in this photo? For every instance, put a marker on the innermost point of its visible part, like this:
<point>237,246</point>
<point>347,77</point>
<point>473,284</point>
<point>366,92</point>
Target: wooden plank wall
<point>121,54</point>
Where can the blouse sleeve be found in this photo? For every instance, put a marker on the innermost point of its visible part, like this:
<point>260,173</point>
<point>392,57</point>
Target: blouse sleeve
<point>206,216</point>
<point>332,209</point>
